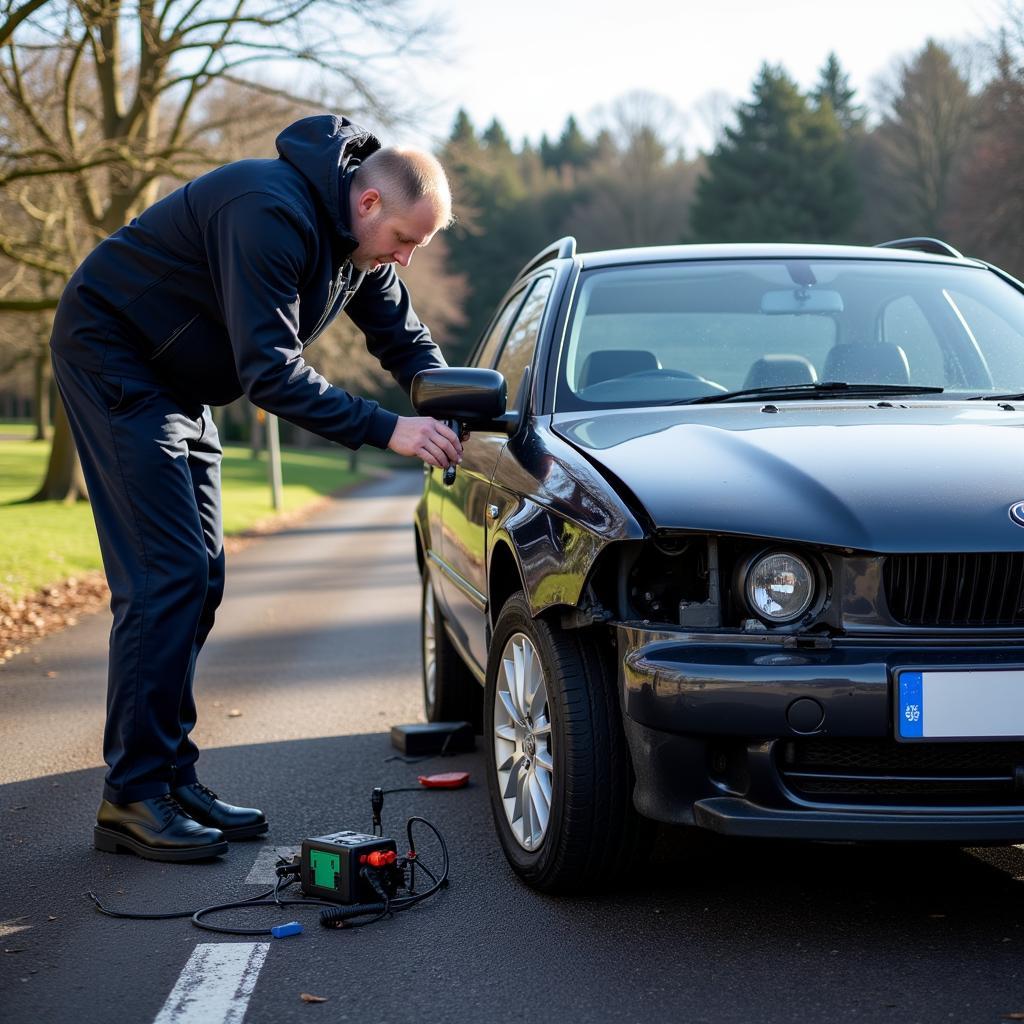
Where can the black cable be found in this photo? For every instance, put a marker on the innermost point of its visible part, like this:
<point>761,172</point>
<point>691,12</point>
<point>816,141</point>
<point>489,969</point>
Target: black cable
<point>443,752</point>
<point>160,917</point>
<point>334,915</point>
<point>197,917</point>
<point>440,883</point>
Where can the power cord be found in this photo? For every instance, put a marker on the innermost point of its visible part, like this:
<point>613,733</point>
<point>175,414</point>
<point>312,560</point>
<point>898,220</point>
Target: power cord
<point>405,759</point>
<point>332,915</point>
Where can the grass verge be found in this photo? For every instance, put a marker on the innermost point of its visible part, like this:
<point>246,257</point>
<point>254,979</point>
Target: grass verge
<point>44,542</point>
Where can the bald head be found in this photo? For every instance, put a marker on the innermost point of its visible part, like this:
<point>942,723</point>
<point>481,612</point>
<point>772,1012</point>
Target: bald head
<point>406,177</point>
<point>398,201</point>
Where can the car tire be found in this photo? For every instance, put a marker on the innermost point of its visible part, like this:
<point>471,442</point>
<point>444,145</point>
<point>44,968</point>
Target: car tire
<point>592,833</point>
<point>452,694</point>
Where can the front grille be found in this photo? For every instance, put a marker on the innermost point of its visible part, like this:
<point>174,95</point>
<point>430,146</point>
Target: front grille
<point>979,590</point>
<point>885,772</point>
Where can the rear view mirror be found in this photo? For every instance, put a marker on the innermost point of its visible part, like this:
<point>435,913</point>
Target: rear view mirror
<point>473,396</point>
<point>802,300</point>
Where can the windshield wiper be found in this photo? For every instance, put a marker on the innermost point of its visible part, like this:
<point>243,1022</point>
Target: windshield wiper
<point>826,387</point>
<point>997,398</point>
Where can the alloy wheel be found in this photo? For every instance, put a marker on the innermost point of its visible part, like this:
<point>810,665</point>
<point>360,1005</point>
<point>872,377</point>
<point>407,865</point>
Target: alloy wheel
<point>522,741</point>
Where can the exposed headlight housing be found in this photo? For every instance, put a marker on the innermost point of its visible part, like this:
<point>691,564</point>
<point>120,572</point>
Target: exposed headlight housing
<point>779,587</point>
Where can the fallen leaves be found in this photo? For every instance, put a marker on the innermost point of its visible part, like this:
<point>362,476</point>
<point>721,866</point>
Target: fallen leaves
<point>234,713</point>
<point>47,611</point>
<point>307,998</point>
<point>60,604</point>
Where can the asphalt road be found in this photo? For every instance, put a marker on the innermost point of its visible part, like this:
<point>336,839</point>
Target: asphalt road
<point>317,648</point>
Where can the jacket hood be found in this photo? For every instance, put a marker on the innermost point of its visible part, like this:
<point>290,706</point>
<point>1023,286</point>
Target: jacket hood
<point>911,478</point>
<point>321,148</point>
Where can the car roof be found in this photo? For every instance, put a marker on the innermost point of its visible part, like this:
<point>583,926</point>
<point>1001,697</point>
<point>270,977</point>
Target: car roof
<point>762,250</point>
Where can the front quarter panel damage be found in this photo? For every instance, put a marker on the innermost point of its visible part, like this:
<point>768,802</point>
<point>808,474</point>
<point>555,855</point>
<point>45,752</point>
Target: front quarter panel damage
<point>557,532</point>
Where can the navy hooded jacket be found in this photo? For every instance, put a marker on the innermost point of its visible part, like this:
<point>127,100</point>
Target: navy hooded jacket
<point>216,289</point>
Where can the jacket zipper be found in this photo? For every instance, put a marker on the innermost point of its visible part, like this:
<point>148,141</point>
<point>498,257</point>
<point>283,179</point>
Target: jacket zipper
<point>332,298</point>
<point>174,336</point>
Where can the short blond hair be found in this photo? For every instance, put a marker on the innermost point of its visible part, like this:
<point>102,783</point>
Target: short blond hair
<point>408,175</point>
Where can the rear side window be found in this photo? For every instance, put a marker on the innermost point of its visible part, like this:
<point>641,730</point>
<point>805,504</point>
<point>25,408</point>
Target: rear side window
<point>1003,342</point>
<point>497,332</point>
<point>522,340</point>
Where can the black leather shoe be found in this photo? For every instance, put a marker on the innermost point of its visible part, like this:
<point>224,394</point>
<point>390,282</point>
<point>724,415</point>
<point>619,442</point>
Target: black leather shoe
<point>235,822</point>
<point>157,829</point>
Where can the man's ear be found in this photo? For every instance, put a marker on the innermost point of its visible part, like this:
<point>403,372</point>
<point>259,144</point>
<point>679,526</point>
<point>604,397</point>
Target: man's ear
<point>368,200</point>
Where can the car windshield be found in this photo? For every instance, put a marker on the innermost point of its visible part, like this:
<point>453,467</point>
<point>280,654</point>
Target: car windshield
<point>657,334</point>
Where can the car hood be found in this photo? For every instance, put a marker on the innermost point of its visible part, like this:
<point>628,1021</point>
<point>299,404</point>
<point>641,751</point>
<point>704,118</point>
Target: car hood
<point>912,477</point>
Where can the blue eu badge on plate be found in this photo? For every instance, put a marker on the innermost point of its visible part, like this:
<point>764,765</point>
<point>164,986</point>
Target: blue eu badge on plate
<point>911,706</point>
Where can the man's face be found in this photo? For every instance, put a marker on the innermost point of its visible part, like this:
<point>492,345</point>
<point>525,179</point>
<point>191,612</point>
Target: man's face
<point>389,234</point>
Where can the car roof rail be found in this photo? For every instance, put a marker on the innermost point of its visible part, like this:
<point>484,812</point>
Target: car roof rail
<point>563,249</point>
<point>933,245</point>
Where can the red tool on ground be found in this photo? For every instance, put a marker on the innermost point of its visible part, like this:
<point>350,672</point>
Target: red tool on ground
<point>444,780</point>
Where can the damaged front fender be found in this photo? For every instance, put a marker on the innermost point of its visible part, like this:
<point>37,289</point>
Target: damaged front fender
<point>557,534</point>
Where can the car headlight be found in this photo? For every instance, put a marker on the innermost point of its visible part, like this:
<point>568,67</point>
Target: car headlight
<point>779,587</point>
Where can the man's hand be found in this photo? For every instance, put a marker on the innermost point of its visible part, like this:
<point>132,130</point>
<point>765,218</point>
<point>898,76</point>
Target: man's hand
<point>427,439</point>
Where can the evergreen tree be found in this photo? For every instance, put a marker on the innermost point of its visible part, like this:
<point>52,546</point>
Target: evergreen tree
<point>834,87</point>
<point>494,233</point>
<point>783,172</point>
<point>573,148</point>
<point>548,151</point>
<point>463,133</point>
<point>495,139</point>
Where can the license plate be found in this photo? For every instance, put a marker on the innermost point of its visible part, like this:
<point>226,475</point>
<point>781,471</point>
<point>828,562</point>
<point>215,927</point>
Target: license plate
<point>976,704</point>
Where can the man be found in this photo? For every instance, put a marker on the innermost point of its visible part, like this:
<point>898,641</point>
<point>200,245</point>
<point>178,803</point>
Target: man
<point>214,292</point>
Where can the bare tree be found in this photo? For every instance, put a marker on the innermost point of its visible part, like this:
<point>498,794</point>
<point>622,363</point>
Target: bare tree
<point>639,192</point>
<point>104,102</point>
<point>989,204</point>
<point>912,160</point>
<point>716,111</point>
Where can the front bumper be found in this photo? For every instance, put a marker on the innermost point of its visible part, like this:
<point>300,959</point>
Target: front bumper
<point>737,734</point>
<point>738,817</point>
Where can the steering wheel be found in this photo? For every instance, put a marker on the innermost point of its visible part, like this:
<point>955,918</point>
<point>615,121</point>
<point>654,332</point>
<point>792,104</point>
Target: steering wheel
<point>673,374</point>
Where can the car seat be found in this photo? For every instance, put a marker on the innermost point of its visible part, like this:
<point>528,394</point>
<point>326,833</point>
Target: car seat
<point>777,369</point>
<point>615,362</point>
<point>876,362</point>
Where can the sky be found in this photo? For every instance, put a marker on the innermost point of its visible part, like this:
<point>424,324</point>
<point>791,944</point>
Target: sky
<point>531,63</point>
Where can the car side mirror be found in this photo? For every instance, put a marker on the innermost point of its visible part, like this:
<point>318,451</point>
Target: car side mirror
<point>466,397</point>
<point>472,396</point>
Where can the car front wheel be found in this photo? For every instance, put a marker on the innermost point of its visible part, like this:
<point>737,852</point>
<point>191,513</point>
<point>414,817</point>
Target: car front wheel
<point>558,769</point>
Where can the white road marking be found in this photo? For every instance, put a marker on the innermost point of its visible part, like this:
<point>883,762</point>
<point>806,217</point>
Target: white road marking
<point>215,985</point>
<point>263,870</point>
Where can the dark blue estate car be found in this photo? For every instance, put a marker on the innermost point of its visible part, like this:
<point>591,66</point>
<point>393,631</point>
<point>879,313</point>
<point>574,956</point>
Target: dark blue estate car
<point>744,552</point>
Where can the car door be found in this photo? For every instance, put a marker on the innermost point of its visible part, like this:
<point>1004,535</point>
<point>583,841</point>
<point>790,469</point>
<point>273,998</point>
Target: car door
<point>448,506</point>
<point>464,509</point>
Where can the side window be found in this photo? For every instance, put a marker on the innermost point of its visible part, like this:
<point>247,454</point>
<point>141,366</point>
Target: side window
<point>493,340</point>
<point>518,351</point>
<point>1002,343</point>
<point>904,324</point>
